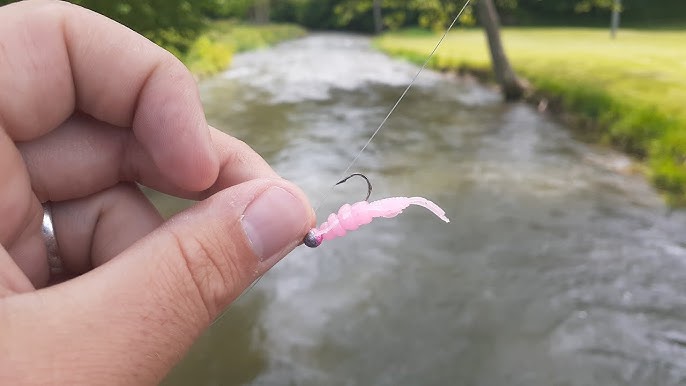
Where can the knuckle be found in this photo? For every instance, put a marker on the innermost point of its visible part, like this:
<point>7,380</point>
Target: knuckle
<point>211,267</point>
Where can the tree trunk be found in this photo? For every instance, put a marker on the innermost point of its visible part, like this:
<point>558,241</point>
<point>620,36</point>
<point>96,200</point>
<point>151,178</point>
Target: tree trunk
<point>262,10</point>
<point>512,87</point>
<point>614,25</point>
<point>378,21</point>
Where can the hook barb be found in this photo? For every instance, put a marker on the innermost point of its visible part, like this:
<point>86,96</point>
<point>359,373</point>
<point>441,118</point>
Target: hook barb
<point>369,184</point>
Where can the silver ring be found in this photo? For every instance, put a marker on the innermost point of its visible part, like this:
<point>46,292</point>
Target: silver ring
<point>54,260</point>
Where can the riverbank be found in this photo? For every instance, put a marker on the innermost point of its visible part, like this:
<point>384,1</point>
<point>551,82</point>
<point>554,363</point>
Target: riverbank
<point>630,90</point>
<point>212,51</point>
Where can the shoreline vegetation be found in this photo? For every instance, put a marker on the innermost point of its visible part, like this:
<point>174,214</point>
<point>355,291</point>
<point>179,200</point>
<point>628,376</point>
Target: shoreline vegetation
<point>211,52</point>
<point>627,93</point>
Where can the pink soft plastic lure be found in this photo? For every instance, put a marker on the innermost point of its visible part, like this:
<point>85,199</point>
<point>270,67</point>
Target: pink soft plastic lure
<point>351,217</point>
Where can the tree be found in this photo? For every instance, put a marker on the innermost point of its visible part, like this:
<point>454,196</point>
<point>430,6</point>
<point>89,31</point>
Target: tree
<point>614,24</point>
<point>366,14</point>
<point>511,86</point>
<point>262,10</point>
<point>378,20</point>
<point>613,5</point>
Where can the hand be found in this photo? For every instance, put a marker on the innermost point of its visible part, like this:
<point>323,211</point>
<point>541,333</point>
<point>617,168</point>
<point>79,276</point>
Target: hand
<point>88,108</point>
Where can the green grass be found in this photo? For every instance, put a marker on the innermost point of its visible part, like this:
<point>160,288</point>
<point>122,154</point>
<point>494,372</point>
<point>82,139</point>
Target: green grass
<point>212,51</point>
<point>633,88</point>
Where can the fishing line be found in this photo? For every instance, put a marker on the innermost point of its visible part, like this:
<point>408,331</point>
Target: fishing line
<point>344,176</point>
<point>378,129</point>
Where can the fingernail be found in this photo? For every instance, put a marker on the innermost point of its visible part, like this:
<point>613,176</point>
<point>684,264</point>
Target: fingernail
<point>272,221</point>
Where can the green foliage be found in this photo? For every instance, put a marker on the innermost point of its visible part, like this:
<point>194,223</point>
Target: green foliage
<point>435,14</point>
<point>588,5</point>
<point>224,9</point>
<point>668,162</point>
<point>671,177</point>
<point>212,51</point>
<point>394,12</point>
<point>207,57</point>
<point>242,37</point>
<point>173,24</point>
<point>313,14</point>
<point>633,88</point>
<point>176,23</point>
<point>430,14</point>
<point>595,12</point>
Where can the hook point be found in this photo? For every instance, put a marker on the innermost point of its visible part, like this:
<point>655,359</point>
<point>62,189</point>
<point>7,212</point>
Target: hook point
<point>369,184</point>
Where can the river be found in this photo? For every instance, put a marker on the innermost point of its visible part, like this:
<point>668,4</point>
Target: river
<point>559,266</point>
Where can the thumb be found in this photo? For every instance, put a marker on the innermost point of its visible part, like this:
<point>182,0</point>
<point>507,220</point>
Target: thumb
<point>130,320</point>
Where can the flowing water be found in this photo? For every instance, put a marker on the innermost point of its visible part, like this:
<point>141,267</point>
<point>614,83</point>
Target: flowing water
<point>560,266</point>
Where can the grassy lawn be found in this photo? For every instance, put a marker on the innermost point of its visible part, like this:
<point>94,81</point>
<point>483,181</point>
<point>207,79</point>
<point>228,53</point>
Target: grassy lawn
<point>212,51</point>
<point>634,87</point>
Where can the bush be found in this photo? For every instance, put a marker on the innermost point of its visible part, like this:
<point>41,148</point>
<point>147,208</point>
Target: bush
<point>212,51</point>
<point>207,57</point>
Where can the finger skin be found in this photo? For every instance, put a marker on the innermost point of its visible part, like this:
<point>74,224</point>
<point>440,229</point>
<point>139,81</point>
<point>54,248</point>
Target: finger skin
<point>29,250</point>
<point>20,225</point>
<point>84,156</point>
<point>15,192</point>
<point>238,163</point>
<point>102,225</point>
<point>58,58</point>
<point>137,315</point>
<point>12,279</point>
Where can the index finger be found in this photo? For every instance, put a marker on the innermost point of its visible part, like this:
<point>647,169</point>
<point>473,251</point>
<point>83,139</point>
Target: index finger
<point>57,58</point>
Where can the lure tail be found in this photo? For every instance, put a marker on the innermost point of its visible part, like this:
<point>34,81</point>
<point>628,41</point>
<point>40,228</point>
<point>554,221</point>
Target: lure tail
<point>430,205</point>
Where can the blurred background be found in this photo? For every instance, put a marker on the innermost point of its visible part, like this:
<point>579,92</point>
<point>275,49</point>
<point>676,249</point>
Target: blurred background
<point>562,168</point>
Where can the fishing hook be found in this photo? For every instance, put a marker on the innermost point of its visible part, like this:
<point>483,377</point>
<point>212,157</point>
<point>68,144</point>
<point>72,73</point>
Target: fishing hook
<point>369,184</point>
